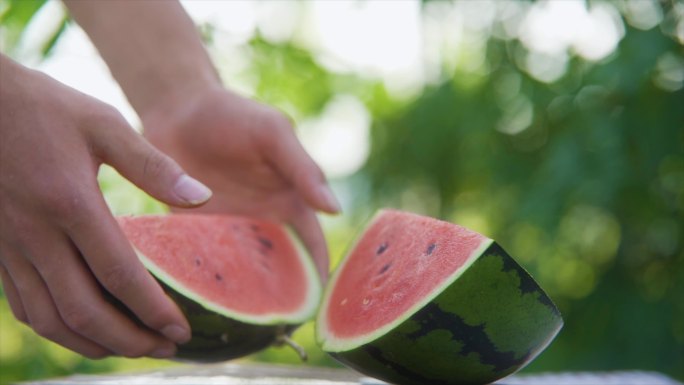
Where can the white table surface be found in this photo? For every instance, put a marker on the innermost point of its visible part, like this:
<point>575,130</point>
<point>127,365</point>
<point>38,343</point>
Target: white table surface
<point>253,374</point>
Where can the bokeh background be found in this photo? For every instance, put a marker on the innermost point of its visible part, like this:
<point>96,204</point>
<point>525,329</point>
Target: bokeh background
<point>554,127</point>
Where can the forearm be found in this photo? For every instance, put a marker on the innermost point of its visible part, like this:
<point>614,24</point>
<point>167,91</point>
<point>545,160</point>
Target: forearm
<point>151,47</point>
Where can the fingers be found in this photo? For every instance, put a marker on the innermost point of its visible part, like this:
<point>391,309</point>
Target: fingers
<point>84,310</point>
<point>117,268</point>
<point>288,156</point>
<point>148,168</point>
<point>309,230</point>
<point>12,296</point>
<point>60,294</point>
<point>39,310</point>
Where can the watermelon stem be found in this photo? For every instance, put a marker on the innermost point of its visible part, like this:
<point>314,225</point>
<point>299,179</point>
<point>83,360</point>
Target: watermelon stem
<point>284,339</point>
<point>296,347</point>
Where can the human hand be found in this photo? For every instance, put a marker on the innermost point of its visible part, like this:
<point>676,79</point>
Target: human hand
<point>248,154</point>
<point>60,247</point>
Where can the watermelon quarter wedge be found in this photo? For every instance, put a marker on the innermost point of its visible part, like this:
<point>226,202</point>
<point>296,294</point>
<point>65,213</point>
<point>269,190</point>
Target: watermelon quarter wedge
<point>243,284</point>
<point>421,301</point>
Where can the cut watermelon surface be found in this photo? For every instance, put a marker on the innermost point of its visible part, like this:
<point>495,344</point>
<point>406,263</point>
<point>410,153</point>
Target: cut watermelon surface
<point>396,266</point>
<point>243,284</point>
<point>250,270</point>
<point>422,301</point>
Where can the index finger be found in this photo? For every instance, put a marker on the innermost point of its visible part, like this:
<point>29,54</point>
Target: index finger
<point>288,156</point>
<point>309,230</point>
<point>113,261</point>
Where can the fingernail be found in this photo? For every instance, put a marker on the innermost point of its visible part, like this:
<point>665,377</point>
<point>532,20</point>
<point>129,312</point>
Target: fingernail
<point>176,333</point>
<point>163,352</point>
<point>191,190</point>
<point>329,198</point>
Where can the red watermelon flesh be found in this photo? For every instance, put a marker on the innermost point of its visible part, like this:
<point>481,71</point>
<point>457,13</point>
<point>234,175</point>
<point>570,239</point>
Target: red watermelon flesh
<point>250,270</point>
<point>388,273</point>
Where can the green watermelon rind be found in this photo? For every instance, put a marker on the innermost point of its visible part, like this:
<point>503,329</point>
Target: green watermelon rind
<point>217,338</point>
<point>477,341</point>
<point>489,322</point>
<point>303,314</point>
<point>331,344</point>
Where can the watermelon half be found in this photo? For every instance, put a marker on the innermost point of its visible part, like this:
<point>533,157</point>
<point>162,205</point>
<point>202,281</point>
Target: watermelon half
<point>421,301</point>
<point>243,284</point>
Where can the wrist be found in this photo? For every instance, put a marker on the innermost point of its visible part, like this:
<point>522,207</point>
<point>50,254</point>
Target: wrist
<point>164,116</point>
<point>152,49</point>
<point>165,91</point>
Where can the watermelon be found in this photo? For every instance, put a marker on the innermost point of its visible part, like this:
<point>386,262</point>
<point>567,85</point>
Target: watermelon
<point>422,301</point>
<point>243,284</point>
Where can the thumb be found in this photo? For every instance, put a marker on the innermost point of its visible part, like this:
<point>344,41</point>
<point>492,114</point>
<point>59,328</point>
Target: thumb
<point>151,170</point>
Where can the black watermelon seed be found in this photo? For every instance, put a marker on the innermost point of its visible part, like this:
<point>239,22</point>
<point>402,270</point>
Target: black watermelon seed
<point>430,249</point>
<point>385,268</point>
<point>218,277</point>
<point>382,248</point>
<point>266,243</point>
<point>197,262</point>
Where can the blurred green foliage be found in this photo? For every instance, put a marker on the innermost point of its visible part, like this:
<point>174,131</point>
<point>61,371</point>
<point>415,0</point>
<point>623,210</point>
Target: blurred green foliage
<point>580,178</point>
<point>15,15</point>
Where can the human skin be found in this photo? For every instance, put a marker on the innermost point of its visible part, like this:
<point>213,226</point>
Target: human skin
<point>58,241</point>
<point>59,244</point>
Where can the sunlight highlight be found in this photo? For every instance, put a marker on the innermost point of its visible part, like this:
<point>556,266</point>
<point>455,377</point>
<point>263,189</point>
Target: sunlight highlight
<point>376,38</point>
<point>338,139</point>
<point>552,28</point>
